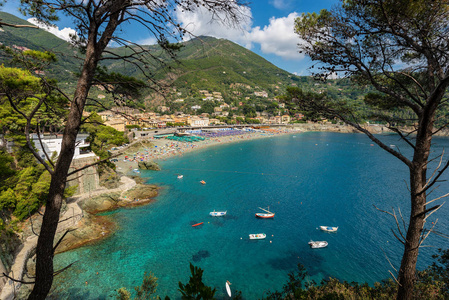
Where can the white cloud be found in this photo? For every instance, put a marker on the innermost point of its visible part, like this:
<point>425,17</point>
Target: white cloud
<point>281,4</point>
<point>201,22</point>
<point>60,33</point>
<point>276,38</point>
<point>151,40</point>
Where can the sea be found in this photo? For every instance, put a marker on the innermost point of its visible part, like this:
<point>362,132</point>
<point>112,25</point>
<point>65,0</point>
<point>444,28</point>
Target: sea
<point>307,179</point>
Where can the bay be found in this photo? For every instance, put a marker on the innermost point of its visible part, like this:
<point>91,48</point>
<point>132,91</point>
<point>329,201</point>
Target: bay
<point>308,180</point>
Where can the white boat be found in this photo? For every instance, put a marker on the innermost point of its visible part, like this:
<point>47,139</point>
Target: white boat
<point>317,244</point>
<point>228,288</point>
<point>267,215</point>
<point>180,176</point>
<point>217,213</point>
<point>257,236</point>
<point>329,228</point>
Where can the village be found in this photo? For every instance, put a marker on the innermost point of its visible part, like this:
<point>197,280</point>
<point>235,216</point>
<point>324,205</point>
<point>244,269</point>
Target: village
<point>121,117</point>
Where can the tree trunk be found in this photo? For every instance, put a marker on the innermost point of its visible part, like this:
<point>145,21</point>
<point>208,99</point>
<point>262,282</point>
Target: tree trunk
<point>418,178</point>
<point>44,250</point>
<point>416,224</point>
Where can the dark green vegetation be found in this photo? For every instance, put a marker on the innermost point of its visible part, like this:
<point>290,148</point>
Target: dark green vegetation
<point>23,187</point>
<point>37,39</point>
<point>399,47</point>
<point>205,63</point>
<point>195,288</point>
<point>431,284</point>
<point>378,35</point>
<point>96,23</point>
<point>145,291</point>
<point>101,137</point>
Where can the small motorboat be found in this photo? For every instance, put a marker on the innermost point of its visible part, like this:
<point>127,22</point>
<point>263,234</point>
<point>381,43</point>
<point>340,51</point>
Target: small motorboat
<point>257,236</point>
<point>180,176</point>
<point>217,213</point>
<point>228,288</point>
<point>267,215</point>
<point>318,244</point>
<point>203,182</point>
<point>329,228</point>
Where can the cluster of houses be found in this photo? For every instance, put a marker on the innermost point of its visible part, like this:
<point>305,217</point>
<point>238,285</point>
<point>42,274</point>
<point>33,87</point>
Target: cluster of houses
<point>120,117</point>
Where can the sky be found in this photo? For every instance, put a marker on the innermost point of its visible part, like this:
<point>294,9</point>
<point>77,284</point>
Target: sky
<point>267,30</point>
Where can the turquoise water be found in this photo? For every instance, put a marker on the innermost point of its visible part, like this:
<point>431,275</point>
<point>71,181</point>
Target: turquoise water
<point>307,179</point>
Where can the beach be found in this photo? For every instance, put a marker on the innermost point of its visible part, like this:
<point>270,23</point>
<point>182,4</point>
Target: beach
<point>163,149</point>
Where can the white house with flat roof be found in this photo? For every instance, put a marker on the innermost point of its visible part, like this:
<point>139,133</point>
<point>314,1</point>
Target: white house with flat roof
<point>52,143</point>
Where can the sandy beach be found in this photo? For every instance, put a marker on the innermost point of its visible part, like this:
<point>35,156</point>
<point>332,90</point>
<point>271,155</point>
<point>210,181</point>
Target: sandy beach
<point>127,161</point>
<point>163,149</point>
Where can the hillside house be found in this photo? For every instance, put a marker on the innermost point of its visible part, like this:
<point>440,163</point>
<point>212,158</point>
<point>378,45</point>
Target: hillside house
<point>118,123</point>
<point>106,115</point>
<point>163,108</point>
<point>299,116</point>
<point>262,119</point>
<point>275,120</point>
<point>52,144</point>
<point>286,119</point>
<point>197,121</point>
<point>261,94</point>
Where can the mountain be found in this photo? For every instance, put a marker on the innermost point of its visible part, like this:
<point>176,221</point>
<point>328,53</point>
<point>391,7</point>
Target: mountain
<point>38,39</point>
<point>213,64</point>
<point>205,54</point>
<point>203,64</point>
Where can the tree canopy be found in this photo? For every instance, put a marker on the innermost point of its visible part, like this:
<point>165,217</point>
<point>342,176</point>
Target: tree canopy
<point>96,24</point>
<point>399,47</point>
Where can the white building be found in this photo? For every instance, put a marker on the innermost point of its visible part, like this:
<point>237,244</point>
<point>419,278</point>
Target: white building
<point>52,144</point>
<point>198,122</point>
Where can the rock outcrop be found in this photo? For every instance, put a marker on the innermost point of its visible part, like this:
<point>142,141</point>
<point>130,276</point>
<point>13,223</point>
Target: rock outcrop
<point>148,165</point>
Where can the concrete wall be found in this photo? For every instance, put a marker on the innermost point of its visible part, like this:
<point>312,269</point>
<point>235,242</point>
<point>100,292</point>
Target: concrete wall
<point>87,180</point>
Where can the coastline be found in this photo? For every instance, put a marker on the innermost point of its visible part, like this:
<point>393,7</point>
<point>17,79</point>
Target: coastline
<point>85,226</point>
<point>93,228</point>
<point>162,149</point>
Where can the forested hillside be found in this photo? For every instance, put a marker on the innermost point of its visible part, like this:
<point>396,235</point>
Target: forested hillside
<point>204,63</point>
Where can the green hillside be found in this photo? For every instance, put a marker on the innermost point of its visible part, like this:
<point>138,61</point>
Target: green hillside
<point>204,63</point>
<point>38,39</point>
<point>212,64</point>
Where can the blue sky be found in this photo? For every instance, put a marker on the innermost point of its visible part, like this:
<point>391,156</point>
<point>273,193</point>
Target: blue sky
<point>268,32</point>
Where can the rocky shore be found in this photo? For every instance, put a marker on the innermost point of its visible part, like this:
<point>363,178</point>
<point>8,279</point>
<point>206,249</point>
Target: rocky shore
<point>80,217</point>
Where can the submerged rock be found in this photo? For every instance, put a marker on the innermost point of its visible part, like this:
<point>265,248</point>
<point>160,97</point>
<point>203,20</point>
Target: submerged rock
<point>148,165</point>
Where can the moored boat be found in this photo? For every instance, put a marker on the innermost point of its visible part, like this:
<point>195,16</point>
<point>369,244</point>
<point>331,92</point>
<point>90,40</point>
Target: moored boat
<point>267,215</point>
<point>228,288</point>
<point>329,228</point>
<point>257,236</point>
<point>217,213</point>
<point>203,182</point>
<point>318,244</point>
<point>180,176</point>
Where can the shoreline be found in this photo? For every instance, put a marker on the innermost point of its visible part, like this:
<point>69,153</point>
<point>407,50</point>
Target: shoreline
<point>93,228</point>
<point>163,149</point>
<point>154,150</point>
